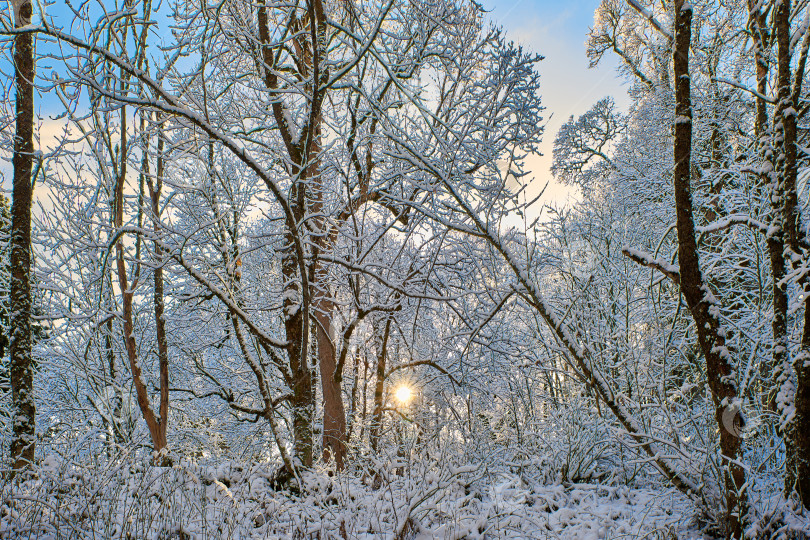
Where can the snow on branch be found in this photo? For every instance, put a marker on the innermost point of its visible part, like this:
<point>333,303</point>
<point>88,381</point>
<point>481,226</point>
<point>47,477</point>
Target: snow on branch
<point>645,259</point>
<point>744,88</point>
<point>429,363</point>
<point>647,14</point>
<point>737,219</point>
<point>577,353</point>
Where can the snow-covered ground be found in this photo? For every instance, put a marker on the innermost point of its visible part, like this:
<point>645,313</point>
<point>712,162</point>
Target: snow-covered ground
<point>397,501</point>
<point>390,499</point>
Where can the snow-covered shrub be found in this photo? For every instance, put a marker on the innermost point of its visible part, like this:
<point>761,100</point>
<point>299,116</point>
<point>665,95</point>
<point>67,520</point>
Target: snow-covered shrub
<point>413,498</point>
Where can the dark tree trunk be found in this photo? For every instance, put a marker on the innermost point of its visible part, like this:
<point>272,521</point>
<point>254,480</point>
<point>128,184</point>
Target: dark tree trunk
<point>799,469</point>
<point>761,40</point>
<point>797,436</point>
<point>364,411</point>
<point>379,388</point>
<point>22,365</point>
<point>351,419</point>
<point>303,153</point>
<point>701,302</point>
<point>117,404</point>
<point>303,394</point>
<point>776,254</point>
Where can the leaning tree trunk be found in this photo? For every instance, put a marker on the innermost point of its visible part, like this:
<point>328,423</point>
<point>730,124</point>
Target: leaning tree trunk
<point>702,304</point>
<point>22,365</point>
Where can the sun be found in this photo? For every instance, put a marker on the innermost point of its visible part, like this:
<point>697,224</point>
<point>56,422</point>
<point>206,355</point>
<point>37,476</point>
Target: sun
<point>403,394</point>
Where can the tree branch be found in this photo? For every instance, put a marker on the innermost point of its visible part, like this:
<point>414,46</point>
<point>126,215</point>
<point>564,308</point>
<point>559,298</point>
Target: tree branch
<point>645,259</point>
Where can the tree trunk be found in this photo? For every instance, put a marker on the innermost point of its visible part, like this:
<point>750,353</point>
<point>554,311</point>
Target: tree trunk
<point>701,302</point>
<point>160,321</point>
<point>797,471</point>
<point>22,365</point>
<point>127,293</point>
<point>303,153</point>
<point>117,404</point>
<point>760,37</point>
<point>797,432</point>
<point>334,415</point>
<point>377,413</point>
<point>303,394</point>
<point>364,411</point>
<point>351,417</point>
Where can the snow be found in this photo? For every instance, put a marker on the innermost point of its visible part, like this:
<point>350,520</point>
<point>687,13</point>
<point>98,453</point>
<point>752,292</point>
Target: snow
<point>418,500</point>
<point>508,462</point>
<point>650,261</point>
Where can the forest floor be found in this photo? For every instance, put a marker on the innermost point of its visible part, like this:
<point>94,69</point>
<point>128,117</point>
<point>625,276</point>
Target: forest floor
<point>399,501</point>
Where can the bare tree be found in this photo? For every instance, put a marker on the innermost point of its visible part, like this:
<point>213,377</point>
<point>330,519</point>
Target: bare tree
<point>701,302</point>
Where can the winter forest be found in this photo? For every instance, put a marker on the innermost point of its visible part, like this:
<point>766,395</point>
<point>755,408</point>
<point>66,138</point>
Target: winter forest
<point>281,269</point>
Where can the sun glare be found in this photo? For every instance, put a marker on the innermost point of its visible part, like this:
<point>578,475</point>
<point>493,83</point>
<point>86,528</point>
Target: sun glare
<point>403,394</point>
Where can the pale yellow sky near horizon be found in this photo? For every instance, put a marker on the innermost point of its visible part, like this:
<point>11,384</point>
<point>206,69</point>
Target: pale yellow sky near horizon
<point>558,31</point>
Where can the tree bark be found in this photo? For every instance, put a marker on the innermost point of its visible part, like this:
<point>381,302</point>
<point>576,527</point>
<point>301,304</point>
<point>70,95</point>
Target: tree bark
<point>22,365</point>
<point>761,40</point>
<point>796,420</point>
<point>303,394</point>
<point>351,417</point>
<point>303,152</point>
<point>117,404</point>
<point>702,304</point>
<point>379,388</point>
<point>127,292</point>
<point>160,320</point>
<point>334,414</point>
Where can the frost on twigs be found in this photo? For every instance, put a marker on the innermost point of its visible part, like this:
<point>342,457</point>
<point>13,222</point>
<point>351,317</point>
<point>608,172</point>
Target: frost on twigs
<point>424,498</point>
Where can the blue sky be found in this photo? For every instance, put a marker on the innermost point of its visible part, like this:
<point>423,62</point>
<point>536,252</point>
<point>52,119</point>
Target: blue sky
<point>557,30</point>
